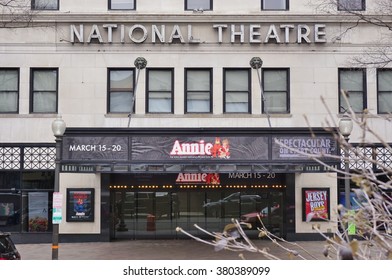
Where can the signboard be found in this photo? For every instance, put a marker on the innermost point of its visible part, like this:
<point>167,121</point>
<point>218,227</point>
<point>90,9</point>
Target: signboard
<point>57,216</point>
<point>233,33</point>
<point>315,202</point>
<point>80,205</point>
<point>297,147</point>
<point>70,168</point>
<point>200,178</point>
<point>220,147</point>
<point>104,148</point>
<point>273,151</point>
<point>351,228</point>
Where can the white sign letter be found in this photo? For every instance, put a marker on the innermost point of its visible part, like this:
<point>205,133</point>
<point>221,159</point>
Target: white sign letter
<point>319,33</point>
<point>94,34</point>
<point>143,30</point>
<point>301,35</point>
<point>220,31</point>
<point>110,31</point>
<point>74,32</point>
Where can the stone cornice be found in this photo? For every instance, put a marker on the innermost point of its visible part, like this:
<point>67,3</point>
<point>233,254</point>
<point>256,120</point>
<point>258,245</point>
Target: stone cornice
<point>61,17</point>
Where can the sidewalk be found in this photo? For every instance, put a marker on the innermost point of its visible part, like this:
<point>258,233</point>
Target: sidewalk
<point>159,250</point>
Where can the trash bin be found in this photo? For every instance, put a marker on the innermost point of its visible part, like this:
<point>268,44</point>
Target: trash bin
<point>150,222</point>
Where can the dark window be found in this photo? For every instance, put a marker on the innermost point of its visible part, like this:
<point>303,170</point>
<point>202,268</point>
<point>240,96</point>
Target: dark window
<point>198,90</point>
<point>45,4</point>
<point>10,180</point>
<point>122,4</point>
<point>160,91</point>
<point>44,90</point>
<point>200,5</point>
<point>274,4</point>
<point>353,82</point>
<point>9,90</point>
<point>38,180</point>
<point>351,5</point>
<point>237,93</point>
<point>29,210</point>
<point>384,91</point>
<point>121,90</point>
<point>276,90</point>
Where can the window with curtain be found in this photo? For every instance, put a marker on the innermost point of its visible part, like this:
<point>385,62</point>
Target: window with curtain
<point>274,4</point>
<point>384,91</point>
<point>351,5</point>
<point>9,90</point>
<point>122,4</point>
<point>160,91</point>
<point>198,90</point>
<point>198,4</point>
<point>44,90</point>
<point>45,4</point>
<point>121,90</point>
<point>353,82</point>
<point>276,90</point>
<point>237,91</point>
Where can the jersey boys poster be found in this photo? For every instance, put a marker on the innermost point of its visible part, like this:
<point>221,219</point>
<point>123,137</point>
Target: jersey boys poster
<point>315,204</point>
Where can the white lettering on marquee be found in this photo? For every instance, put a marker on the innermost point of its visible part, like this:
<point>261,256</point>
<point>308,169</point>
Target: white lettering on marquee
<point>191,149</point>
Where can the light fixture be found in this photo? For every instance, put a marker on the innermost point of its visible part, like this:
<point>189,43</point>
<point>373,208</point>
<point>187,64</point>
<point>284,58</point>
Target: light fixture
<point>345,126</point>
<point>140,63</point>
<point>256,63</point>
<point>58,126</point>
<point>58,129</point>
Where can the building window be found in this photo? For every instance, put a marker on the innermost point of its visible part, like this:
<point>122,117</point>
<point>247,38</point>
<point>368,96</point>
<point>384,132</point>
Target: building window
<point>276,90</point>
<point>351,5</point>
<point>237,91</point>
<point>9,90</point>
<point>274,4</point>
<point>384,91</point>
<point>122,4</point>
<point>198,90</point>
<point>45,4</point>
<point>160,91</point>
<point>121,90</point>
<point>200,5</point>
<point>44,90</point>
<point>353,82</point>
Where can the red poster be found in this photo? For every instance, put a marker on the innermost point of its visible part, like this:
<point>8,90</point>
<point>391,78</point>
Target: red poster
<point>316,204</point>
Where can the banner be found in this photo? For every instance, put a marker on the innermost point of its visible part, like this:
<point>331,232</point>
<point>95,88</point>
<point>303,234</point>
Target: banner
<point>315,204</point>
<point>80,205</point>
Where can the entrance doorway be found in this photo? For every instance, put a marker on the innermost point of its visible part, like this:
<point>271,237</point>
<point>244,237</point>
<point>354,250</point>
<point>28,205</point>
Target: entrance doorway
<point>142,214</point>
<point>157,214</point>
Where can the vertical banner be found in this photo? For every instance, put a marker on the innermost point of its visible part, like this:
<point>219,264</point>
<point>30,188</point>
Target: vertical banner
<point>315,202</point>
<point>80,205</point>
<point>57,215</point>
<point>38,211</point>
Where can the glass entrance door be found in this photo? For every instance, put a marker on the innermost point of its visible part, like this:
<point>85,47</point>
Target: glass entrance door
<point>123,215</point>
<point>268,213</point>
<point>157,214</point>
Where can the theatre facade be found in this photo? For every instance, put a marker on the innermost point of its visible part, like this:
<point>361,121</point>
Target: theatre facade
<point>201,134</point>
<point>148,182</point>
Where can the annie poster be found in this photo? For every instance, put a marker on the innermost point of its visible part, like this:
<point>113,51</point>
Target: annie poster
<point>315,203</point>
<point>80,205</point>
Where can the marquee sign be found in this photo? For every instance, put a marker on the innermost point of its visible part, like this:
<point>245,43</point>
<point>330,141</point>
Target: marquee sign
<point>298,147</point>
<point>199,148</point>
<point>99,148</point>
<point>198,178</point>
<point>219,148</point>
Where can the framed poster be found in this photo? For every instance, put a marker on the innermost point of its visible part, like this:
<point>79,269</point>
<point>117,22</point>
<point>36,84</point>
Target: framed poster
<point>80,205</point>
<point>315,204</point>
